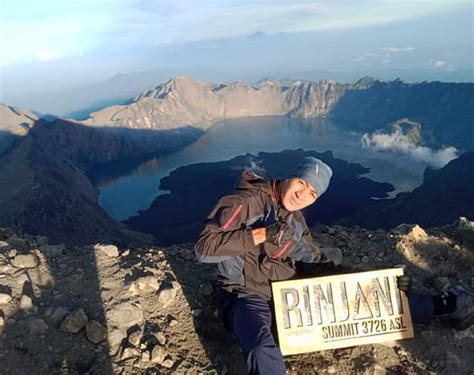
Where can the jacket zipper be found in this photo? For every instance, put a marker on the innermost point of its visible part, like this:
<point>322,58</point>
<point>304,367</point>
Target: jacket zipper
<point>282,250</point>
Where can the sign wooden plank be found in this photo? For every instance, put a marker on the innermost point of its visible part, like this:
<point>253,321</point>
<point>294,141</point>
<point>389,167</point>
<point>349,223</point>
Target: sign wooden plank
<point>339,311</point>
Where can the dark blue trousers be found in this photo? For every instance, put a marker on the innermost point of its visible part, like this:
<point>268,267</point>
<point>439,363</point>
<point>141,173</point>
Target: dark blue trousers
<point>249,318</point>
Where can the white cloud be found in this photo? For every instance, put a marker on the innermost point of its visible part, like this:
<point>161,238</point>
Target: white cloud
<point>400,143</point>
<point>45,55</point>
<point>368,55</point>
<point>398,49</point>
<point>439,63</point>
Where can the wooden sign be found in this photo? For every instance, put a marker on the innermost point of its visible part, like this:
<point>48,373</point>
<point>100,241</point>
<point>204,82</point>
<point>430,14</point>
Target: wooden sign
<point>340,311</point>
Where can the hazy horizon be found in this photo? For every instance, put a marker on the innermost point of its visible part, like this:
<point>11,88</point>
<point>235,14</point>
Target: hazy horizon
<point>55,52</point>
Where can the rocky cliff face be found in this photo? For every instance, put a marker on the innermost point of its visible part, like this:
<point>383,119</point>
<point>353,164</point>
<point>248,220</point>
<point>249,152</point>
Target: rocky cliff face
<point>102,309</point>
<point>445,110</point>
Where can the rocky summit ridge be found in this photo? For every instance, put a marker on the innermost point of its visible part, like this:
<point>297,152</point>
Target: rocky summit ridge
<point>103,309</point>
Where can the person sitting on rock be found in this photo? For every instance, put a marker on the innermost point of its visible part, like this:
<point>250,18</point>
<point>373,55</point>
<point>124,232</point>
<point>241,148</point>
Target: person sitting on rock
<point>258,235</point>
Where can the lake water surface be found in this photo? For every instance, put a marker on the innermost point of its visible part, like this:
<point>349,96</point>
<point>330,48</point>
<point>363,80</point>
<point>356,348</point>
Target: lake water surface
<point>126,190</point>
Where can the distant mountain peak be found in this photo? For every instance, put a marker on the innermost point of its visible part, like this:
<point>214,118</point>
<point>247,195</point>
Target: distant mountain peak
<point>257,35</point>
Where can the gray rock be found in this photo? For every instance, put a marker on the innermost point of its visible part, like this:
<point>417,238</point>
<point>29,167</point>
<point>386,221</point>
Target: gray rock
<point>172,322</point>
<point>124,315</point>
<point>168,363</point>
<point>129,353</point>
<point>146,356</point>
<point>5,298</point>
<point>196,312</point>
<point>115,338</point>
<point>25,261</point>
<point>58,314</point>
<point>465,223</point>
<point>75,321</point>
<point>4,245</point>
<point>158,354</point>
<point>135,337</point>
<point>160,337</point>
<point>95,332</point>
<point>365,259</point>
<point>37,326</point>
<point>109,250</point>
<point>144,285</point>
<point>166,296</point>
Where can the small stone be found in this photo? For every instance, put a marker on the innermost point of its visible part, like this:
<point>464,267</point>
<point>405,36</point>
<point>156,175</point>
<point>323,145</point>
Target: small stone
<point>173,322</point>
<point>135,338</point>
<point>124,316</point>
<point>145,284</point>
<point>4,245</point>
<point>56,315</point>
<point>25,261</point>
<point>196,312</point>
<point>95,332</point>
<point>5,298</point>
<point>332,369</point>
<point>37,326</point>
<point>115,338</point>
<point>166,296</point>
<point>109,250</point>
<point>379,370</point>
<point>126,253</point>
<point>160,337</point>
<point>380,254</point>
<point>365,259</point>
<point>168,363</point>
<point>12,253</point>
<point>26,303</point>
<point>158,354</point>
<point>129,353</point>
<point>145,356</point>
<point>75,321</point>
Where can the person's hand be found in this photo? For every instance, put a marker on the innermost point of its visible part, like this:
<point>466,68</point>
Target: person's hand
<point>259,235</point>
<point>404,283</point>
<point>278,233</point>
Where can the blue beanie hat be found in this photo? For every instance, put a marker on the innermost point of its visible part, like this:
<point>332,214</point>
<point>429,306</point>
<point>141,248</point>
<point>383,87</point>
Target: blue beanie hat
<point>314,171</point>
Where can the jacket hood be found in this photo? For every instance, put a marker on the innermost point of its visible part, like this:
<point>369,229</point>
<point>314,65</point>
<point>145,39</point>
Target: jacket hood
<point>251,180</point>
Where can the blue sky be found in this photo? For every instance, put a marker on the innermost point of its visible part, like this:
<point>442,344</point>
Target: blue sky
<point>46,30</point>
<point>49,46</point>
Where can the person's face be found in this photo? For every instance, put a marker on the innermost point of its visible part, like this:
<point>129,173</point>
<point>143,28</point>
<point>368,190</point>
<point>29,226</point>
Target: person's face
<point>296,194</point>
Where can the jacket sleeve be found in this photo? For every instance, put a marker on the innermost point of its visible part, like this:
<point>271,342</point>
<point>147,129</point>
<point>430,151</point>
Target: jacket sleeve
<point>226,234</point>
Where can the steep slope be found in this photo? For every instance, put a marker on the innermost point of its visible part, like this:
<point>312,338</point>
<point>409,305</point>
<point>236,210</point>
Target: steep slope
<point>445,194</point>
<point>44,187</point>
<point>14,124</point>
